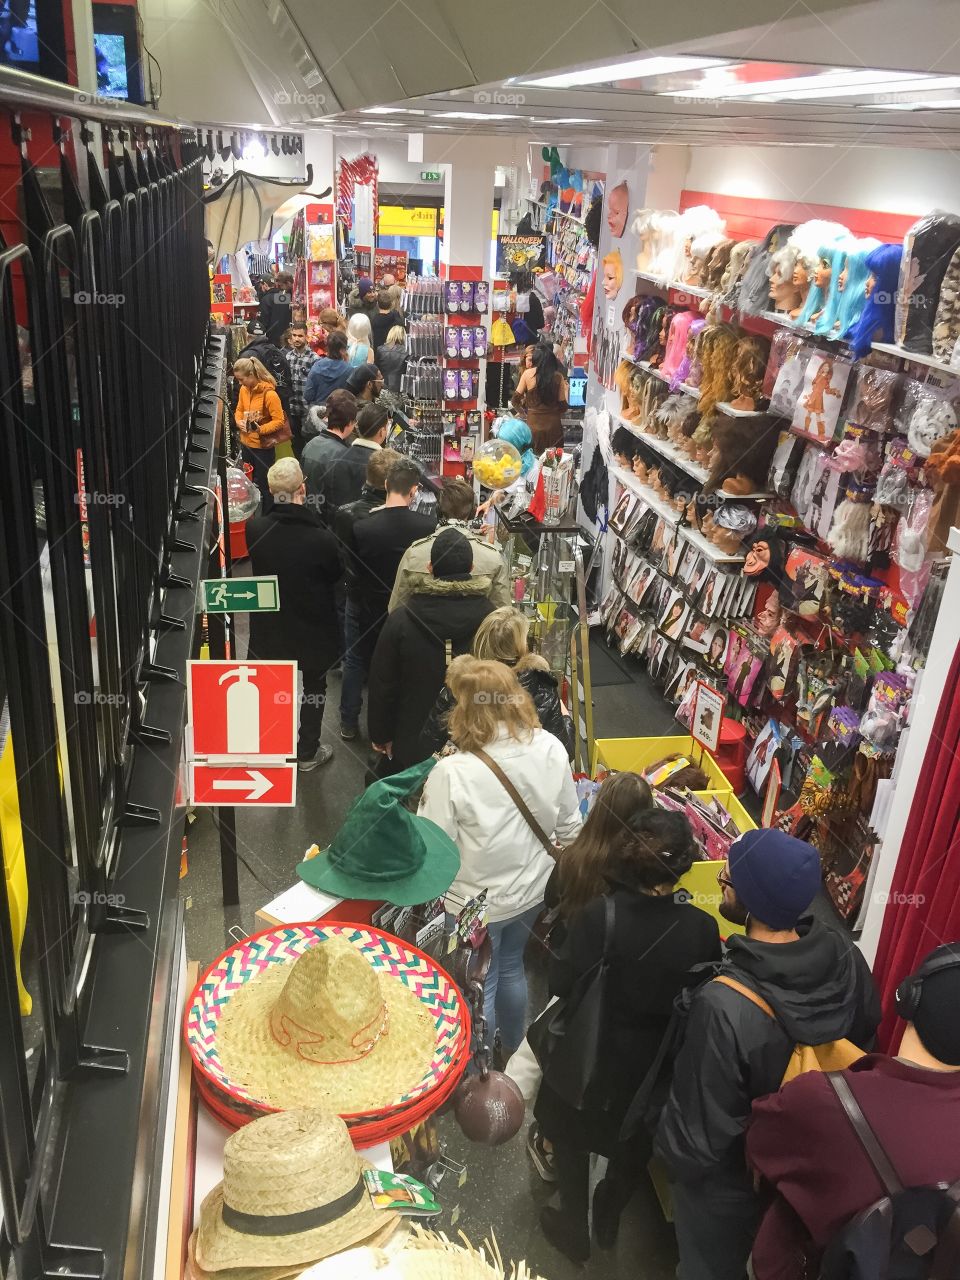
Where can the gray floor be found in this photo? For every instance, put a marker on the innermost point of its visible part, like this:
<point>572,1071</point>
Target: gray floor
<point>502,1193</point>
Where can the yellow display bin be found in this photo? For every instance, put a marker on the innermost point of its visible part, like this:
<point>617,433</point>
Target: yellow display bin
<point>637,754</point>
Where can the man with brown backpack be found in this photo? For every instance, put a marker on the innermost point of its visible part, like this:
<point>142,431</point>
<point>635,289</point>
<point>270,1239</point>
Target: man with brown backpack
<point>789,980</point>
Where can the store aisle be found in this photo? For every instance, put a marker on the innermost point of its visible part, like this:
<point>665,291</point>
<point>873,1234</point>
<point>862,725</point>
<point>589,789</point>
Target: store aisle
<point>503,1194</point>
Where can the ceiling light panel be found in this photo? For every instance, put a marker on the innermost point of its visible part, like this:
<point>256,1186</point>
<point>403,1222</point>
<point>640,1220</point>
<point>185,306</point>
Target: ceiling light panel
<point>634,69</point>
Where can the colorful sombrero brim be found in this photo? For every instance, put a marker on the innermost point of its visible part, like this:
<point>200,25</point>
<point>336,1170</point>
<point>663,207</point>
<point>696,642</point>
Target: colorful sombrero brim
<point>256,956</point>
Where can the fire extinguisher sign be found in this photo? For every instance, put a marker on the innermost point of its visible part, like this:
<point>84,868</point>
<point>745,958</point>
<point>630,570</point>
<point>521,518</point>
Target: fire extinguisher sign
<point>241,711</point>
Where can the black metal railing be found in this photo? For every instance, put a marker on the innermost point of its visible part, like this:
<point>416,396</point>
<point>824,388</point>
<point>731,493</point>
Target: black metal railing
<point>104,343</point>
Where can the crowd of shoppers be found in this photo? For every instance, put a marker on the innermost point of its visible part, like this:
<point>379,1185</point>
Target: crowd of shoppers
<point>694,1037</point>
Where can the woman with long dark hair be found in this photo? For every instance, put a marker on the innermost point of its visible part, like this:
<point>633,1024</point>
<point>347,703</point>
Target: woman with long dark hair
<point>542,394</point>
<point>656,938</point>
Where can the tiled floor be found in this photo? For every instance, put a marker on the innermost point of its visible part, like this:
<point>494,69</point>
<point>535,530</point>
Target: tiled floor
<point>502,1193</point>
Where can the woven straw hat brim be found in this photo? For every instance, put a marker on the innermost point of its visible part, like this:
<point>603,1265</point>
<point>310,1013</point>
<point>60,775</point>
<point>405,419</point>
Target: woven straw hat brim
<point>252,1057</point>
<point>218,1247</point>
<point>432,880</point>
<point>425,1256</point>
<point>390,1237</point>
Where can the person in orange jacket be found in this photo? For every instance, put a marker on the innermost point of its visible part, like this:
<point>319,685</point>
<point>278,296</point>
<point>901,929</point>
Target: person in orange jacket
<point>259,417</point>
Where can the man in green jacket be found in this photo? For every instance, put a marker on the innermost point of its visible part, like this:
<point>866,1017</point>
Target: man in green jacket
<point>457,508</point>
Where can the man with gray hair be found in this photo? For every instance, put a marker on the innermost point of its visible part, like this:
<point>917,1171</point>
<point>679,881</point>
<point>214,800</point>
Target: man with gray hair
<point>292,543</point>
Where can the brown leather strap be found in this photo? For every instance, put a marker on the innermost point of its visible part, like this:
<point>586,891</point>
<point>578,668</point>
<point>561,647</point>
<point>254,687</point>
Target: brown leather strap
<point>745,991</point>
<point>519,801</point>
<point>868,1139</point>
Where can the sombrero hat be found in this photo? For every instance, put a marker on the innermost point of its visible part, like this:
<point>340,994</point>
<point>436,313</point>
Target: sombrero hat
<point>292,1193</point>
<point>344,1017</point>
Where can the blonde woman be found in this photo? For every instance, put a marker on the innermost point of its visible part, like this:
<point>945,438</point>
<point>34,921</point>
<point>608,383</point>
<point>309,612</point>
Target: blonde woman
<point>392,357</point>
<point>260,420</point>
<point>502,637</point>
<point>493,719</point>
<point>360,340</point>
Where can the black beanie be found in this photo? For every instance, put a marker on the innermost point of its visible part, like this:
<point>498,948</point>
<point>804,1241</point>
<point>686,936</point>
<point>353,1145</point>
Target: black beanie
<point>936,1020</point>
<point>451,556</point>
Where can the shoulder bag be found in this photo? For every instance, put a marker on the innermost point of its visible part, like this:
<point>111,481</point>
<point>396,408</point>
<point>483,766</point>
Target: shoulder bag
<point>518,800</point>
<point>566,1037</point>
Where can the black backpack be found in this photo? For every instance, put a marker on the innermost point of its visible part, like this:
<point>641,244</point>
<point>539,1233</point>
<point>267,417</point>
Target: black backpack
<point>911,1233</point>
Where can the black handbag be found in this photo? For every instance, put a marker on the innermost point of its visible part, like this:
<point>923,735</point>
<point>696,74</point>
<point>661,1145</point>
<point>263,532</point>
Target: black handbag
<point>565,1039</point>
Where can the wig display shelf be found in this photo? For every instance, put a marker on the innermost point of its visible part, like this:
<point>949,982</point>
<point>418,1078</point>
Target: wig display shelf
<point>709,550</point>
<point>725,407</point>
<point>915,357</point>
<point>667,450</point>
<point>643,491</point>
<point>663,508</point>
<point>685,387</point>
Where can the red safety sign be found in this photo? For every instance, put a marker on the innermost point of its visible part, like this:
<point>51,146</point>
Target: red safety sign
<point>237,784</point>
<point>242,709</point>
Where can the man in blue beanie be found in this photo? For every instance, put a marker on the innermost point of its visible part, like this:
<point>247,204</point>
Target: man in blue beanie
<point>819,988</point>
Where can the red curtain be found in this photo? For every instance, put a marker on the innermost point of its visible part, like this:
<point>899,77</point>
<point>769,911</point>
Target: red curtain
<point>924,906</point>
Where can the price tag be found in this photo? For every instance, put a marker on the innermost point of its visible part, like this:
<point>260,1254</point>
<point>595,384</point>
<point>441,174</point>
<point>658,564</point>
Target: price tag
<point>708,707</point>
<point>524,561</point>
<point>566,566</point>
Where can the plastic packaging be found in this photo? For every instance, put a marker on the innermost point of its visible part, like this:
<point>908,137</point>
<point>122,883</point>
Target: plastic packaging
<point>910,547</point>
<point>933,417</point>
<point>789,382</point>
<point>783,344</point>
<point>928,248</point>
<point>875,399</point>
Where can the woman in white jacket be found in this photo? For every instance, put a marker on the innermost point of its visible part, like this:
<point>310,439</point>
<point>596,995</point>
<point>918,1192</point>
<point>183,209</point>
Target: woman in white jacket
<point>499,851</point>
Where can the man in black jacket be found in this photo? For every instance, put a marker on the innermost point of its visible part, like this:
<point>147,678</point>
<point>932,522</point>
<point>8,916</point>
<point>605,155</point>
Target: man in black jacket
<point>347,475</point>
<point>415,647</point>
<point>819,988</point>
<point>291,543</point>
<point>259,347</point>
<point>323,453</point>
<point>380,542</point>
<point>276,307</point>
<point>372,495</point>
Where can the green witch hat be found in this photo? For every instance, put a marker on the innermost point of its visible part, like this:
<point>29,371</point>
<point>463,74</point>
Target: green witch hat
<point>384,851</point>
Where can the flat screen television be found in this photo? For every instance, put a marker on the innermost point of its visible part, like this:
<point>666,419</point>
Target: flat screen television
<point>31,37</point>
<point>116,45</point>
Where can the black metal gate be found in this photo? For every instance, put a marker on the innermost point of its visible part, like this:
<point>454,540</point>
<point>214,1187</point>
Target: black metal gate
<point>105,426</point>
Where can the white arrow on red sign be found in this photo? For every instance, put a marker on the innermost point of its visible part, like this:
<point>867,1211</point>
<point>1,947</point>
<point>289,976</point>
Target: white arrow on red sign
<point>260,784</point>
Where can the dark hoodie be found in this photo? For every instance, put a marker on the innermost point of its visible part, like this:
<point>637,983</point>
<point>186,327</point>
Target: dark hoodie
<point>410,661</point>
<point>820,988</point>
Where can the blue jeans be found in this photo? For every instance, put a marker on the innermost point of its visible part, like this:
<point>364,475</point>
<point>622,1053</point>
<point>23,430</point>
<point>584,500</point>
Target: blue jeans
<point>505,990</point>
<point>352,669</point>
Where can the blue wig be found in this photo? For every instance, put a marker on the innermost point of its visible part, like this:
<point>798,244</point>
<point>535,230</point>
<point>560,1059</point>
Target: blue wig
<point>516,432</point>
<point>836,255</point>
<point>877,318</point>
<point>852,299</point>
<point>815,299</point>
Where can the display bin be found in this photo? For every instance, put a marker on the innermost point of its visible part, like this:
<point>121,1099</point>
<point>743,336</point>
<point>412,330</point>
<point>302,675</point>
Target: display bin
<point>637,754</point>
<point>733,806</point>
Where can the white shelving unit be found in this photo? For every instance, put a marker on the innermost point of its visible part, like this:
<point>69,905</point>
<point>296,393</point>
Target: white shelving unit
<point>727,408</point>
<point>930,362</point>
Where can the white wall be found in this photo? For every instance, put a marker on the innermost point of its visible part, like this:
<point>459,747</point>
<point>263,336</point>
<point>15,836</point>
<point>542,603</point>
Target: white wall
<point>882,178</point>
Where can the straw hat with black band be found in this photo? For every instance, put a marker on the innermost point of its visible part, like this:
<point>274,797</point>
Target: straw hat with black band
<point>385,852</point>
<point>292,1193</point>
<point>424,1255</point>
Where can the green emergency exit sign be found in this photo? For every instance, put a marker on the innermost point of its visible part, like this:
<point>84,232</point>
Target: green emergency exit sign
<point>430,175</point>
<point>241,595</point>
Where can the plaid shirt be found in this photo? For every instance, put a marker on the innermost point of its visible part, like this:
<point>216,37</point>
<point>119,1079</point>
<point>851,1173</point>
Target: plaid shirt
<point>299,362</point>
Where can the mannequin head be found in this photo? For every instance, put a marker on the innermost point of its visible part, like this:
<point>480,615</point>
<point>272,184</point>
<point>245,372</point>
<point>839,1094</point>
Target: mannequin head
<point>612,274</point>
<point>852,284</point>
<point>618,206</point>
